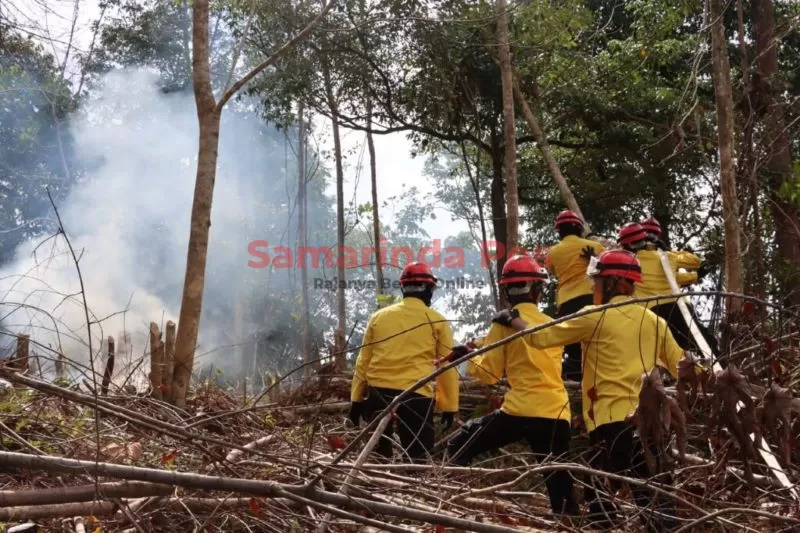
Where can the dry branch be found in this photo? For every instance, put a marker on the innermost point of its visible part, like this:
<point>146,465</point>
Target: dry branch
<point>82,493</point>
<point>267,489</point>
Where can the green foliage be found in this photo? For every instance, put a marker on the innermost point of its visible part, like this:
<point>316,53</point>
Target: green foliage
<point>34,104</point>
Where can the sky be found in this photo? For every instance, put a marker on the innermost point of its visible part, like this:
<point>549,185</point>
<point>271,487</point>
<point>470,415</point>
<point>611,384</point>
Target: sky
<point>396,167</point>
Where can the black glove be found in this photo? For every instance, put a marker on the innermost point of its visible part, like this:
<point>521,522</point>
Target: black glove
<point>587,252</point>
<point>447,420</point>
<point>356,412</point>
<point>505,317</point>
<point>459,351</point>
<point>702,272</point>
<point>660,244</point>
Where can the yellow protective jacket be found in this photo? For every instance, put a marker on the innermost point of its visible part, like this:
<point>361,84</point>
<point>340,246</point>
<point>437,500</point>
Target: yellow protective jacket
<point>619,345</point>
<point>533,374</point>
<point>564,261</point>
<point>399,348</point>
<point>654,281</point>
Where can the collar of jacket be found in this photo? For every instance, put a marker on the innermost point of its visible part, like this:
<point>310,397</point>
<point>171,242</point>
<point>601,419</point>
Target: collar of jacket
<point>414,302</point>
<point>526,305</point>
<point>620,298</point>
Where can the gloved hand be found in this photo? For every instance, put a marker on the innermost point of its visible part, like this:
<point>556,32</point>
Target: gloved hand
<point>356,412</point>
<point>505,317</point>
<point>456,352</point>
<point>660,244</point>
<point>702,271</point>
<point>587,252</point>
<point>447,420</point>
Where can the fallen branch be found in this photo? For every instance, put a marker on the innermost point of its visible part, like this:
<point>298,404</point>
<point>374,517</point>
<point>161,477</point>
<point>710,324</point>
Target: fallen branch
<point>373,441</point>
<point>82,493</point>
<point>267,489</point>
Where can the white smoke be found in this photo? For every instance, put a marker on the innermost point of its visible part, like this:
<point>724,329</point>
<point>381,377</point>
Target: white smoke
<point>128,221</point>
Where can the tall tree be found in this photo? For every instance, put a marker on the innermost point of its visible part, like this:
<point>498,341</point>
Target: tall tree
<point>302,200</point>
<point>208,114</point>
<point>341,303</point>
<point>776,155</point>
<point>376,220</point>
<point>721,74</point>
<point>509,129</point>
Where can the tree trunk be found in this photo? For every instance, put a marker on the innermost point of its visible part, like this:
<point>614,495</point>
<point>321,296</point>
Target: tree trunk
<point>208,117</point>
<point>547,154</point>
<point>498,211</point>
<point>376,221</point>
<point>777,162</point>
<point>169,361</point>
<point>339,340</point>
<point>747,178</point>
<point>476,188</point>
<point>721,74</point>
<point>302,194</point>
<point>509,130</point>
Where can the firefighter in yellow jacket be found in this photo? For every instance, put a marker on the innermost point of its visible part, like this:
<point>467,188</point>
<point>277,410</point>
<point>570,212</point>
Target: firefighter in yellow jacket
<point>619,345</point>
<point>400,345</point>
<point>645,242</point>
<point>567,261</point>
<point>536,409</point>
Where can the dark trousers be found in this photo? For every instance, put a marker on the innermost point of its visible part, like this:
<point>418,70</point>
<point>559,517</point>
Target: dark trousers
<point>545,436</point>
<point>615,449</point>
<point>680,329</point>
<point>413,420</point>
<point>572,368</point>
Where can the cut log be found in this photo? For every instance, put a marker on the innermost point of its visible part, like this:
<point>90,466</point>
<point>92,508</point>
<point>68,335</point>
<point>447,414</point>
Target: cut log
<point>21,356</point>
<point>109,370</point>
<point>169,361</point>
<point>156,362</point>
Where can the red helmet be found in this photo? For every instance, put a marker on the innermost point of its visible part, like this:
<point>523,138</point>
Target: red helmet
<point>651,225</point>
<point>522,268</point>
<point>631,234</point>
<point>417,273</point>
<point>619,263</point>
<point>568,217</point>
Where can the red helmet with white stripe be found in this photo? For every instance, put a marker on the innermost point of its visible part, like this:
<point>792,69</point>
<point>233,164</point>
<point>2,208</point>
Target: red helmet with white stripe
<point>568,217</point>
<point>632,235</point>
<point>417,274</point>
<point>616,263</point>
<point>522,268</point>
<point>651,225</point>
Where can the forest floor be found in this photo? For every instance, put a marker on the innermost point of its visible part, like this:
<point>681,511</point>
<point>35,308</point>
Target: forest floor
<point>73,462</point>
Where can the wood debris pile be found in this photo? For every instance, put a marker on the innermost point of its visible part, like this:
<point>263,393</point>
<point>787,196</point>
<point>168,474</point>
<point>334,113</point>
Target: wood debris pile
<point>266,465</point>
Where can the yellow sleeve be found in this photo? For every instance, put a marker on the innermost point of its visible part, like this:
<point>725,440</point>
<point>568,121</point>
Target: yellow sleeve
<point>490,367</point>
<point>572,331</point>
<point>447,383</point>
<point>687,260</point>
<point>670,352</point>
<point>358,389</point>
<point>686,278</point>
<point>598,248</point>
